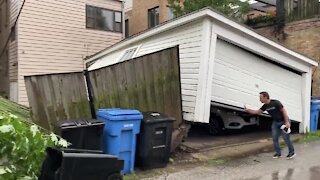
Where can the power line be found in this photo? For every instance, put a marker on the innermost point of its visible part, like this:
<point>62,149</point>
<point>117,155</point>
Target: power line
<point>13,27</point>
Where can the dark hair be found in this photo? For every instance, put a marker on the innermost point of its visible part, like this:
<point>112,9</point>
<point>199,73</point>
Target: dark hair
<point>265,94</point>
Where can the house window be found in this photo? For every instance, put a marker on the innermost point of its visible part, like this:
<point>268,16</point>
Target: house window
<point>103,19</point>
<point>127,28</point>
<point>128,54</point>
<point>153,17</point>
<point>170,14</point>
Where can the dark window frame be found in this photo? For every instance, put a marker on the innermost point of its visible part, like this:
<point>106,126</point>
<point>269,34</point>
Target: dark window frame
<point>153,17</point>
<point>95,17</point>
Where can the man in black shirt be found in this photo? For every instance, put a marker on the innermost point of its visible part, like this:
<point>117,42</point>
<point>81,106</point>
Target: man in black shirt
<point>280,117</point>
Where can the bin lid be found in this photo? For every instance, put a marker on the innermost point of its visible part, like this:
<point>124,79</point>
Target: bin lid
<point>119,114</point>
<point>155,117</point>
<point>315,101</point>
<point>79,123</point>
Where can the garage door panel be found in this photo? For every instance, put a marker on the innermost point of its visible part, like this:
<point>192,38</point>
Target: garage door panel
<point>239,76</point>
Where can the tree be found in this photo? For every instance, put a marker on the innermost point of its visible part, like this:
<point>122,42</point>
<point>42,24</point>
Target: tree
<point>231,8</point>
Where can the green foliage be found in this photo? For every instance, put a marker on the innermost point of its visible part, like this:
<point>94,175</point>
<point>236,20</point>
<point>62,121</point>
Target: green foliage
<point>231,8</point>
<point>311,136</point>
<point>22,148</point>
<point>261,20</point>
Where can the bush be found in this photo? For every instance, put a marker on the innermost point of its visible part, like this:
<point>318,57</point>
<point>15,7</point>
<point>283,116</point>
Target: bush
<point>22,148</point>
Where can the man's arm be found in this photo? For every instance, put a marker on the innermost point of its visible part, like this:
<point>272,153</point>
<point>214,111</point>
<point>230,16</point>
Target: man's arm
<point>285,117</point>
<point>250,111</point>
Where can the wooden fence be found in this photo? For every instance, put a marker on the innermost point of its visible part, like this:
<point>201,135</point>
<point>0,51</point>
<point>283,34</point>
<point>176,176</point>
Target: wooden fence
<point>301,9</point>
<point>147,83</point>
<point>57,97</point>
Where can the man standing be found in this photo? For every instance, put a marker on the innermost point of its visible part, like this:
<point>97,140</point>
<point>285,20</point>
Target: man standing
<point>280,117</point>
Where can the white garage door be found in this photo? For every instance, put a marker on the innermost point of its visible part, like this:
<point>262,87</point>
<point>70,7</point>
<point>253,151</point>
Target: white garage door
<point>239,76</point>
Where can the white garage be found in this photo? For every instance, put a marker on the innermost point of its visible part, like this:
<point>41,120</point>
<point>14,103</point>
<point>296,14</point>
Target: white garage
<point>239,74</point>
<point>222,62</point>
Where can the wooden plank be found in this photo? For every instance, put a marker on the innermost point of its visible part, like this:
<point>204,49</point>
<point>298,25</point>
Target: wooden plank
<point>176,86</point>
<point>155,64</point>
<point>165,64</point>
<point>114,89</point>
<point>121,85</point>
<point>141,84</point>
<point>132,90</point>
<point>150,87</point>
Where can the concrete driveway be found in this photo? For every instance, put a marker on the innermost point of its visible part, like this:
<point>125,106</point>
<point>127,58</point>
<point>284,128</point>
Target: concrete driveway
<point>306,166</point>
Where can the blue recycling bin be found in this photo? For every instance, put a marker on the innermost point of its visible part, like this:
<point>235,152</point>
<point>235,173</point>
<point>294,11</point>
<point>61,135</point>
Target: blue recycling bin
<point>314,114</point>
<point>119,135</point>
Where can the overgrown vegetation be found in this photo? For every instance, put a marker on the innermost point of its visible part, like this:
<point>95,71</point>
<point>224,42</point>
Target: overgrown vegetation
<point>261,20</point>
<point>22,147</point>
<point>232,8</point>
<point>311,136</point>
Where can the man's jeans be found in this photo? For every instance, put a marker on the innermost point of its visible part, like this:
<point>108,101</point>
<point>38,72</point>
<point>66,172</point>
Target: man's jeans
<point>276,132</point>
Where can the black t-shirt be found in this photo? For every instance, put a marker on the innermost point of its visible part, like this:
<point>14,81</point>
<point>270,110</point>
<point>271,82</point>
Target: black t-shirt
<point>273,108</point>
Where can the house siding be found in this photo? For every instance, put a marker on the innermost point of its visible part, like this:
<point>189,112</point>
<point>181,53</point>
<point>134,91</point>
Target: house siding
<point>53,38</point>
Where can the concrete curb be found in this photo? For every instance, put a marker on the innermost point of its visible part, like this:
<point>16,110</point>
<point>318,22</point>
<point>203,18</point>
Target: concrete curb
<point>236,150</point>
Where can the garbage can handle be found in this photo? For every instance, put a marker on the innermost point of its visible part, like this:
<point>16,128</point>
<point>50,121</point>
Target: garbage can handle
<point>155,114</point>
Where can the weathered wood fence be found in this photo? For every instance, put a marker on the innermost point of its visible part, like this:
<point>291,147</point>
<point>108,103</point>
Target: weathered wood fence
<point>147,83</point>
<point>301,9</point>
<point>56,97</point>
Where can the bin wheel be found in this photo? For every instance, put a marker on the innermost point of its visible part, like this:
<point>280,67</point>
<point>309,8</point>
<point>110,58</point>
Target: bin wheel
<point>115,176</point>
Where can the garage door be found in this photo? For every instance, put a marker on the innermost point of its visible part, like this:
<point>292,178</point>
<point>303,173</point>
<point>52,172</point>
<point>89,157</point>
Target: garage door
<point>240,75</point>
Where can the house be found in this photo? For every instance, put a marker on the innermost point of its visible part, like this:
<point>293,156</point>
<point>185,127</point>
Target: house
<point>142,15</point>
<point>222,63</point>
<point>55,36</point>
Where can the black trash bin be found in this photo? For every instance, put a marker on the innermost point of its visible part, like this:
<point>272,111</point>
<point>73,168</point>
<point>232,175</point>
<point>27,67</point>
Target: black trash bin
<point>82,134</point>
<point>76,164</point>
<point>154,141</point>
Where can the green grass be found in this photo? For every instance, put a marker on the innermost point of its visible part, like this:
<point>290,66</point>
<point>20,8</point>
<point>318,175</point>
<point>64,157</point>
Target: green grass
<point>216,162</point>
<point>311,136</point>
<point>7,106</point>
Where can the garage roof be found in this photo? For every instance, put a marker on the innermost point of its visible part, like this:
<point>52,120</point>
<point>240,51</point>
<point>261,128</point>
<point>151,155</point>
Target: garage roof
<point>206,12</point>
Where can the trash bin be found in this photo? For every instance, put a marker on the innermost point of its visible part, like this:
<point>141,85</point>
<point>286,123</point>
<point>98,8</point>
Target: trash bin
<point>76,164</point>
<point>314,114</point>
<point>154,141</point>
<point>119,136</point>
<point>82,134</point>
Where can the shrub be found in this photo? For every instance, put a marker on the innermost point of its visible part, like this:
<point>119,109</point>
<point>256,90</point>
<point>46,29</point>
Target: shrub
<point>22,148</point>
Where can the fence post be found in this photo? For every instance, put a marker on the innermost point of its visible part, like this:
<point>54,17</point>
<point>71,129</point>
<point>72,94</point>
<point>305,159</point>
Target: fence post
<point>90,93</point>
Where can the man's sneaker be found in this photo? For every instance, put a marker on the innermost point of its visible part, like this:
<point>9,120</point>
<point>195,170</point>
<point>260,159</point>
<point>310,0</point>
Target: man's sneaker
<point>291,155</point>
<point>276,156</point>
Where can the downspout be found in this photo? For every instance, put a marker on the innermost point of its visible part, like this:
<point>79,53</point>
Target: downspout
<point>123,19</point>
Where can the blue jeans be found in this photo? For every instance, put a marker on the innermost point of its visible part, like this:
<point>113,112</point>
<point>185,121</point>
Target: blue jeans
<point>276,132</point>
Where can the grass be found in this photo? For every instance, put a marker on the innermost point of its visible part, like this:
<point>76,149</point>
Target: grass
<point>310,137</point>
<point>216,162</point>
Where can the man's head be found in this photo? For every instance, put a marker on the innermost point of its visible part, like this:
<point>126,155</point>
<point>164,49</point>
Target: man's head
<point>264,97</point>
